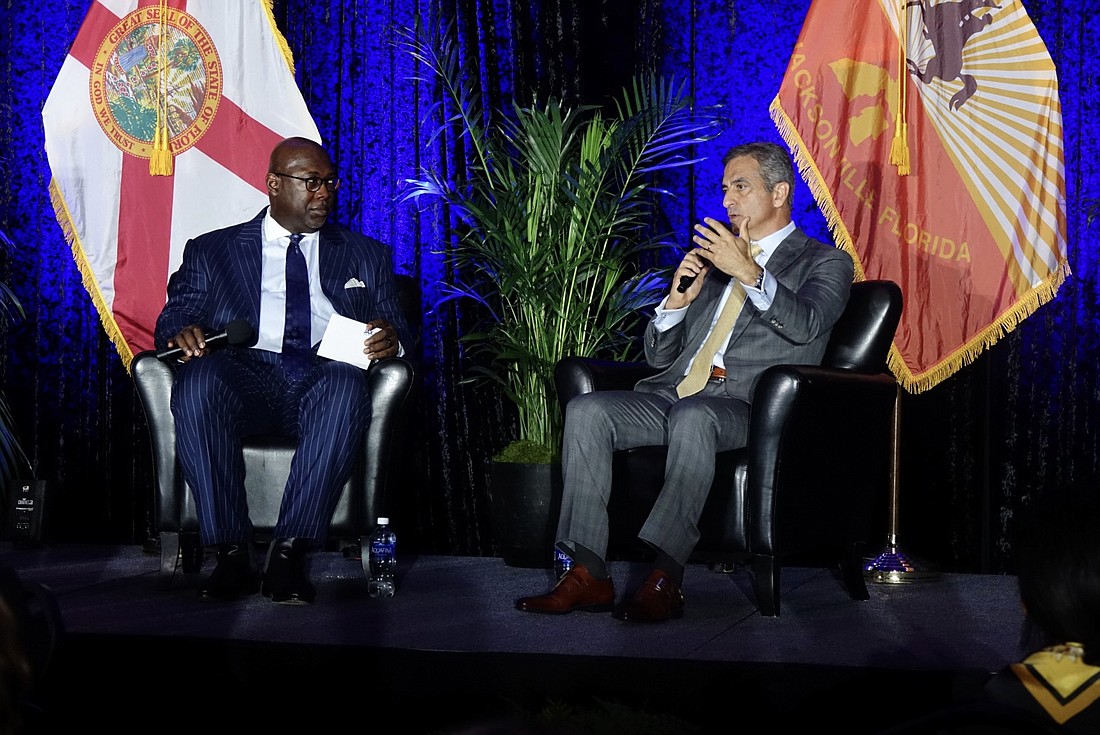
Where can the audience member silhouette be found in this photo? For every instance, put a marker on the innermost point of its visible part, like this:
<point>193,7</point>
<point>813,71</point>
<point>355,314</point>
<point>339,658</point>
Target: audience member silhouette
<point>1058,557</point>
<point>1055,686</point>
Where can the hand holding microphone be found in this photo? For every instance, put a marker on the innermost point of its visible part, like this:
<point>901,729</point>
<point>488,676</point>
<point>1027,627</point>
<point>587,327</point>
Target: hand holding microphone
<point>717,246</point>
<point>237,332</point>
<point>706,237</point>
<point>687,279</point>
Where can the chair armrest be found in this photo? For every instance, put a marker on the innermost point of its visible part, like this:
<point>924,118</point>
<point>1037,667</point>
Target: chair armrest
<point>389,383</point>
<point>576,375</point>
<point>153,379</point>
<point>819,443</point>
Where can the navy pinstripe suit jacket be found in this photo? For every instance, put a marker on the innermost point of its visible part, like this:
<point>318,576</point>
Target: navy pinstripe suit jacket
<point>219,280</point>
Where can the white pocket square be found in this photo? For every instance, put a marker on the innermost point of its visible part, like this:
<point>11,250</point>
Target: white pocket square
<point>354,283</point>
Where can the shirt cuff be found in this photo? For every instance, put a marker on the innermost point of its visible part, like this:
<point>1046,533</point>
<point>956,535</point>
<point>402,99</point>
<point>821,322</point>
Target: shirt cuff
<point>762,297</point>
<point>665,319</point>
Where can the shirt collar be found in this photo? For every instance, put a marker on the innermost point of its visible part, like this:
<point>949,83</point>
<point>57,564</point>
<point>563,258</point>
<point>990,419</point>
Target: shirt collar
<point>769,243</point>
<point>274,231</point>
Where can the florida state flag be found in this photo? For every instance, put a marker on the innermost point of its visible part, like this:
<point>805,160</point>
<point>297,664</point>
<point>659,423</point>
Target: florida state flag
<point>158,128</point>
<point>930,133</point>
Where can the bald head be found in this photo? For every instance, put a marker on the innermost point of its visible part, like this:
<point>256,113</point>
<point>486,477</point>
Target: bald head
<point>291,148</point>
<point>293,163</point>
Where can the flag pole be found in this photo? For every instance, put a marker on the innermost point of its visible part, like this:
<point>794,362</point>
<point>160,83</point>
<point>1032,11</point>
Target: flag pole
<point>892,565</point>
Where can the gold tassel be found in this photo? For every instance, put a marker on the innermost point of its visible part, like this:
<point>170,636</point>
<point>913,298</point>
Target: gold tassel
<point>899,147</point>
<point>160,159</point>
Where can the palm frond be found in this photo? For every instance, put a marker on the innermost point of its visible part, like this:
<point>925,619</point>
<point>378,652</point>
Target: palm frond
<point>13,460</point>
<point>553,208</point>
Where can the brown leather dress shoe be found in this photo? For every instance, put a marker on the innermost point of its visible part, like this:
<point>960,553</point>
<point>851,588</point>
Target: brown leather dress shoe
<point>577,590</point>
<point>657,600</point>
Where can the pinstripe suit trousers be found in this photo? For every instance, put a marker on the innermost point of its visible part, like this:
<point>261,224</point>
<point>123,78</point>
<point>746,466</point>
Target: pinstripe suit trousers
<point>222,397</point>
<point>694,429</point>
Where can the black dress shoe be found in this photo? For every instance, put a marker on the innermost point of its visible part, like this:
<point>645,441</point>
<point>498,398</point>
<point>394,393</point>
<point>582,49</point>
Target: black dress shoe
<point>285,580</point>
<point>232,576</point>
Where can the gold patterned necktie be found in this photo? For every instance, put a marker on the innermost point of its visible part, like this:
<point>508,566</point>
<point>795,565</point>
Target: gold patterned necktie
<point>699,373</point>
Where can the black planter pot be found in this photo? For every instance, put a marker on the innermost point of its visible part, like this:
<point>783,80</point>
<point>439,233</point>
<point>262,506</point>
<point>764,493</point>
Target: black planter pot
<point>526,499</point>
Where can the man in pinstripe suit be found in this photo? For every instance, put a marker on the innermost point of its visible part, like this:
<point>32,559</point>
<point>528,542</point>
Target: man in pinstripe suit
<point>240,272</point>
<point>794,289</point>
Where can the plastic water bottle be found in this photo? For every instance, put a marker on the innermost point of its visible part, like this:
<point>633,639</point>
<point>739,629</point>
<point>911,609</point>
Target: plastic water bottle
<point>562,563</point>
<point>382,561</point>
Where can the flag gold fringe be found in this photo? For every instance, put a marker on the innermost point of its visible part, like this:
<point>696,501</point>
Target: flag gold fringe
<point>1025,307</point>
<point>816,182</point>
<point>967,353</point>
<point>267,5</point>
<point>68,229</point>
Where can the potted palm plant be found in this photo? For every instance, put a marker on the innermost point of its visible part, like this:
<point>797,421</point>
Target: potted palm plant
<point>14,464</point>
<point>552,215</point>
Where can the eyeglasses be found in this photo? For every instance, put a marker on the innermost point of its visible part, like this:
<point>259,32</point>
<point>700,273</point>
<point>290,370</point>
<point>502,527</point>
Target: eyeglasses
<point>332,183</point>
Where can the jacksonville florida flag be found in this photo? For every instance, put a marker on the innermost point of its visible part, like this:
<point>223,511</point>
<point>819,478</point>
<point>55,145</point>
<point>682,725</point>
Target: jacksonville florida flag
<point>158,128</point>
<point>930,133</point>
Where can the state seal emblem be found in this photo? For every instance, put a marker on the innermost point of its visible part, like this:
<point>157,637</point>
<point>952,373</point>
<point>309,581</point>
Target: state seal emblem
<point>156,82</point>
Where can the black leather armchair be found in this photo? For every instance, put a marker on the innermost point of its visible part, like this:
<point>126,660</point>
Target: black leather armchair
<point>816,464</point>
<point>267,465</point>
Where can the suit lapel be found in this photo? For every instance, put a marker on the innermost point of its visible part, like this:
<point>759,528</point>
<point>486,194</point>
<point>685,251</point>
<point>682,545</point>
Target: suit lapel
<point>786,255</point>
<point>788,252</point>
<point>246,257</point>
<point>331,256</point>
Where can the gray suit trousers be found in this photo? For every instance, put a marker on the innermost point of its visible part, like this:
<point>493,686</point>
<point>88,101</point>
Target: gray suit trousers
<point>694,429</point>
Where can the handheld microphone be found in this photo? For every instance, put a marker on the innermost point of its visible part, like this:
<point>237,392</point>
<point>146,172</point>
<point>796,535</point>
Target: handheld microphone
<point>237,332</point>
<point>686,281</point>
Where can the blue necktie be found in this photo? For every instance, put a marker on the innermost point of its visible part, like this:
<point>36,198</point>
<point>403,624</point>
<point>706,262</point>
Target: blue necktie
<point>297,345</point>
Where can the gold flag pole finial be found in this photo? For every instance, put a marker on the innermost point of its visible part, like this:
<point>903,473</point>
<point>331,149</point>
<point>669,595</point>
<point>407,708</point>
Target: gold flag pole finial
<point>160,160</point>
<point>899,148</point>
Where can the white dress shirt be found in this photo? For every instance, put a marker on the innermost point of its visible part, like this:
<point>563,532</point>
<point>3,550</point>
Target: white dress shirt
<point>273,287</point>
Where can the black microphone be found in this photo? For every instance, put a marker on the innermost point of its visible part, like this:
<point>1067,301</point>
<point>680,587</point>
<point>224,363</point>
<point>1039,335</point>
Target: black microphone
<point>686,281</point>
<point>237,332</point>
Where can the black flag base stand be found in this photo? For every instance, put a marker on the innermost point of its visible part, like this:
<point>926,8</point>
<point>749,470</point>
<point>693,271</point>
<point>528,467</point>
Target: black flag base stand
<point>894,566</point>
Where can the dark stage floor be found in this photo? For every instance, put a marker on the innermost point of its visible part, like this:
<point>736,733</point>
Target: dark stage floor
<point>449,650</point>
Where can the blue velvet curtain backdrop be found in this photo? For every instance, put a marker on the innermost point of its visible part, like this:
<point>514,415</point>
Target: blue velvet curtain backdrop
<point>1020,421</point>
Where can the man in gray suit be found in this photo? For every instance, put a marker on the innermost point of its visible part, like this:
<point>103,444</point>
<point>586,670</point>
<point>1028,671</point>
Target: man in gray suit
<point>793,290</point>
<point>286,271</point>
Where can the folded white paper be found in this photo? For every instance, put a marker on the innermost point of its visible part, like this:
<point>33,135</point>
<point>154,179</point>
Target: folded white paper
<point>343,341</point>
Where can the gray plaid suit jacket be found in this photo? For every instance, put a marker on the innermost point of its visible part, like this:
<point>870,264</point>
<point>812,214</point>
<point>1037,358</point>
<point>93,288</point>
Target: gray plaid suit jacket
<point>813,283</point>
